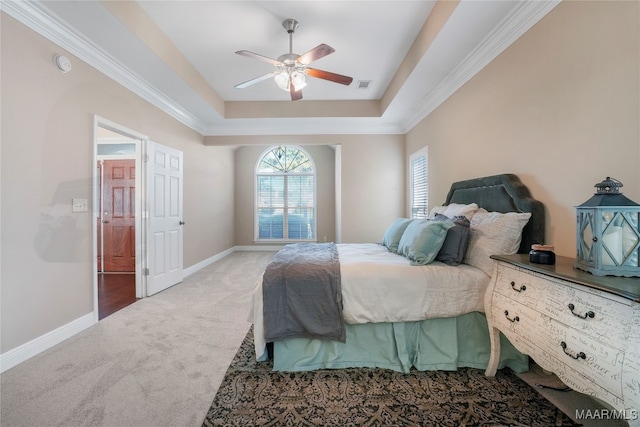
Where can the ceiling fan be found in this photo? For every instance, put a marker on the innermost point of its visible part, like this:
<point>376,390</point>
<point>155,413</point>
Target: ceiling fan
<point>292,68</point>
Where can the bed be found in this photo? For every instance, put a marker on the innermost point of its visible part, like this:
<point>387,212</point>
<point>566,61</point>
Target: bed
<point>400,313</point>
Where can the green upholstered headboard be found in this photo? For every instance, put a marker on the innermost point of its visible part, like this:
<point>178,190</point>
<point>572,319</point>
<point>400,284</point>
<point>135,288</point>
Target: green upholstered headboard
<point>503,193</point>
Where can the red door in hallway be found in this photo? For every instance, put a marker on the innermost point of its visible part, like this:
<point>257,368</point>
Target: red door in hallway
<point>118,215</point>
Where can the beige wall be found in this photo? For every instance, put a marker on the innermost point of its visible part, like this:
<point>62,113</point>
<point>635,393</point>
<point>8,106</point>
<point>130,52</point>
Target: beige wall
<point>559,108</point>
<point>373,186</point>
<point>47,159</point>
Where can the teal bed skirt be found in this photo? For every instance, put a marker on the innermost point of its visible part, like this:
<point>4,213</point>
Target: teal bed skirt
<point>443,344</point>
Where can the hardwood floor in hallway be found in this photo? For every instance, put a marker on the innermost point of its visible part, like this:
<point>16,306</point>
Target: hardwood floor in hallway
<point>115,291</point>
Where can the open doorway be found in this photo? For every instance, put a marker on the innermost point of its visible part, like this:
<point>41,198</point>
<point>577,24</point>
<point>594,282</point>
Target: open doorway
<point>150,192</point>
<point>118,207</point>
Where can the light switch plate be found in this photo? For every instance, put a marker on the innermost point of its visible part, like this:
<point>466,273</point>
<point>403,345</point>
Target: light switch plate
<point>80,205</point>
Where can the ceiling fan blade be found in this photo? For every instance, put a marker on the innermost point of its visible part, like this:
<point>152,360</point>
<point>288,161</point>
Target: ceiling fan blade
<point>254,81</point>
<point>316,53</point>
<point>260,57</point>
<point>326,75</point>
<point>295,94</point>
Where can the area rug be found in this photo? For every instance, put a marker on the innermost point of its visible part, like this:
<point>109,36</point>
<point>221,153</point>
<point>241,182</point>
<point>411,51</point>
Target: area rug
<point>251,394</point>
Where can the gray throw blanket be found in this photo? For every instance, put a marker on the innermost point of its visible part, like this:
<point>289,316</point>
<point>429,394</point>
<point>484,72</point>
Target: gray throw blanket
<point>302,293</point>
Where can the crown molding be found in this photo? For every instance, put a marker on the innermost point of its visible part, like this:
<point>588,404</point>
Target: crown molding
<point>519,21</point>
<point>38,18</point>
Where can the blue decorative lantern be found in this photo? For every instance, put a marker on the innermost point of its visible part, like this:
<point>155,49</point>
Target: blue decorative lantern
<point>608,232</point>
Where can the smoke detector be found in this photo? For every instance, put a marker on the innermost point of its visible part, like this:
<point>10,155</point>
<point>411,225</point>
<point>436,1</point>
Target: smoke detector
<point>62,63</point>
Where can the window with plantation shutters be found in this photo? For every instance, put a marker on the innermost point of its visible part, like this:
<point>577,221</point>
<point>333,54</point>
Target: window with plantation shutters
<point>418,184</point>
<point>285,195</point>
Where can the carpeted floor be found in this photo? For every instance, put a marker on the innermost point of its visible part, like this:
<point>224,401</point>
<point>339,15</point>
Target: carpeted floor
<point>252,394</point>
<point>155,363</point>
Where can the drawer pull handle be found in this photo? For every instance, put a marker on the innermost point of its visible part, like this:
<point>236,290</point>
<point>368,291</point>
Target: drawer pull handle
<point>579,355</point>
<point>589,313</point>
<point>522,288</point>
<point>515,319</point>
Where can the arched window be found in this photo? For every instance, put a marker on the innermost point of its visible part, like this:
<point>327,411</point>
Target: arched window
<point>285,195</point>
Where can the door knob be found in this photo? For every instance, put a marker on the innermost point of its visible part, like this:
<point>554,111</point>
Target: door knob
<point>105,221</point>
<point>181,223</point>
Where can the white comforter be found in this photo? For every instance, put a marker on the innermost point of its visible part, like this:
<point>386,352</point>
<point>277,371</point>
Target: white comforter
<point>380,286</point>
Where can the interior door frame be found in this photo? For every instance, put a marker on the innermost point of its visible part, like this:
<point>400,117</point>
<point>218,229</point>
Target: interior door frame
<point>140,143</point>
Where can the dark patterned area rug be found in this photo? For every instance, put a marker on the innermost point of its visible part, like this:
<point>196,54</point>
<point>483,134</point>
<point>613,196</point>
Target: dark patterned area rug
<point>251,394</point>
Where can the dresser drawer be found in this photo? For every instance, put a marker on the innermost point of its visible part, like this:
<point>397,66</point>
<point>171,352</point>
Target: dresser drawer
<point>597,362</point>
<point>601,316</point>
<point>574,379</point>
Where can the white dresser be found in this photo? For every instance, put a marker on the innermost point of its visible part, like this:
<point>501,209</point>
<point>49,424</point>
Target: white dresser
<point>583,328</point>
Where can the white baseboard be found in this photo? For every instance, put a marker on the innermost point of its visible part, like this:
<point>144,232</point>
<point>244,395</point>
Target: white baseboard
<point>26,351</point>
<point>202,264</point>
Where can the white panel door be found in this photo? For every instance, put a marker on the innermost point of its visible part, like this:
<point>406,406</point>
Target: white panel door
<point>164,236</point>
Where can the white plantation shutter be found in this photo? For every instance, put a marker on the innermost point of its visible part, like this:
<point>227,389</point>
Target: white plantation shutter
<point>300,202</point>
<point>418,184</point>
<point>285,195</point>
<point>270,206</point>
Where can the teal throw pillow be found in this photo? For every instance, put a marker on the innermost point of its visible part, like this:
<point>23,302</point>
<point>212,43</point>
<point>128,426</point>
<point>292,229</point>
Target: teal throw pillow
<point>422,240</point>
<point>392,236</point>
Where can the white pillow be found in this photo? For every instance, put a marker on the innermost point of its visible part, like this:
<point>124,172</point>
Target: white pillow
<point>494,233</point>
<point>454,209</point>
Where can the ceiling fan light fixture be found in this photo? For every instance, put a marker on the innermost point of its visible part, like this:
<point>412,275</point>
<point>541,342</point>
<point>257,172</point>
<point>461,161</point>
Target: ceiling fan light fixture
<point>298,80</point>
<point>282,80</point>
